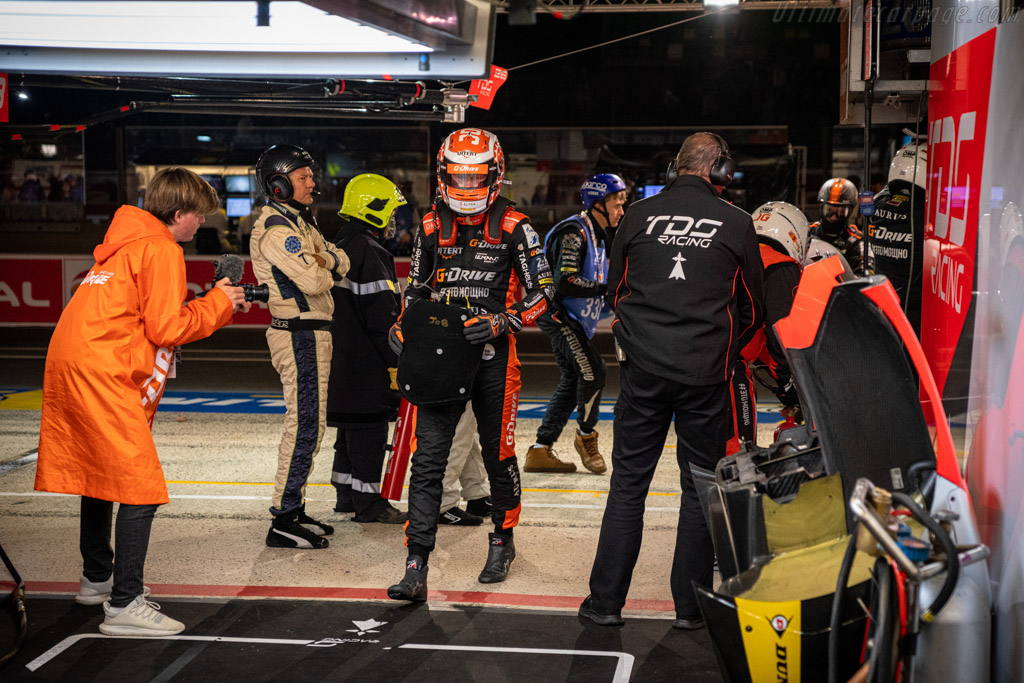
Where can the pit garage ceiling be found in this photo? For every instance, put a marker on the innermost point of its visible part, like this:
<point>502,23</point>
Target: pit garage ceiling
<point>420,39</point>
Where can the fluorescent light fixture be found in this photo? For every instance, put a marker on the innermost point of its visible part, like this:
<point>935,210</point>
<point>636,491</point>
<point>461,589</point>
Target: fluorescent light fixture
<point>206,26</point>
<point>721,3</point>
<point>221,38</point>
<point>48,150</point>
<point>22,95</point>
<point>203,138</point>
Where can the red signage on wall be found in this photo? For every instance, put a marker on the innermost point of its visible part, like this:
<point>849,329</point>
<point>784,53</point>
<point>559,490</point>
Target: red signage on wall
<point>31,290</point>
<point>958,116</point>
<point>35,289</point>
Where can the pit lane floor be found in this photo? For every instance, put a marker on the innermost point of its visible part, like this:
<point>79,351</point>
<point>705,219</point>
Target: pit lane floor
<point>209,567</point>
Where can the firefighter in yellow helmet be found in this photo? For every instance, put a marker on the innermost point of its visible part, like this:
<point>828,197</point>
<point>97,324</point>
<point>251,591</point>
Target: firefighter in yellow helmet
<point>362,397</point>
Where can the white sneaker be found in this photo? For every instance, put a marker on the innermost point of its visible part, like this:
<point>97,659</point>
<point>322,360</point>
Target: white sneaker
<point>139,618</point>
<point>90,593</point>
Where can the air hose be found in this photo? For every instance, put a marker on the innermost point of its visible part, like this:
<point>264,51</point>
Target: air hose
<point>837,609</point>
<point>952,558</point>
<point>885,617</point>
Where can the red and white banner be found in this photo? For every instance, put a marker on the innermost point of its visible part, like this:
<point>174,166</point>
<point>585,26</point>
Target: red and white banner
<point>34,289</point>
<point>485,89</point>
<point>957,119</point>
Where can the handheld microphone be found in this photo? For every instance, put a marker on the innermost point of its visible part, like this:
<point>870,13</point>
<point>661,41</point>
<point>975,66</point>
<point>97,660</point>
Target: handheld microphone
<point>229,266</point>
<point>232,267</point>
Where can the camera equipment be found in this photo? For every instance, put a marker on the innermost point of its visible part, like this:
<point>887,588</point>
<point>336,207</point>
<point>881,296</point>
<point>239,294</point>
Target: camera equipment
<point>231,267</point>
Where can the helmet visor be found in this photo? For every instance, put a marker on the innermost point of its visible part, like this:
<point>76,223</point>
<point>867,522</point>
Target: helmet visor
<point>835,212</point>
<point>468,176</point>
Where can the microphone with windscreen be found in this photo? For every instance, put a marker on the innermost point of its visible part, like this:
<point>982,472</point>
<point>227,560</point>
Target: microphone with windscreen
<point>232,267</point>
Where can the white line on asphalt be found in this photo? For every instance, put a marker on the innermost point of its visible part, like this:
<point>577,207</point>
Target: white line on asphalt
<point>623,668</point>
<point>19,463</point>
<point>71,640</point>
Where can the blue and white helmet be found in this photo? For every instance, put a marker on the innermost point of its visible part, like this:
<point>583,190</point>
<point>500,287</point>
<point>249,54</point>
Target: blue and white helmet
<point>599,186</point>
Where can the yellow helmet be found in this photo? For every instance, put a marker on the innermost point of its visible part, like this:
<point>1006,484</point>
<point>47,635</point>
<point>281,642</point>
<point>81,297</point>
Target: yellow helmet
<point>372,199</point>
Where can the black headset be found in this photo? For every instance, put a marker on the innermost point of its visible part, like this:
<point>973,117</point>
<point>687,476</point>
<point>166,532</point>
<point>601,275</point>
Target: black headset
<point>724,167</point>
<point>279,187</point>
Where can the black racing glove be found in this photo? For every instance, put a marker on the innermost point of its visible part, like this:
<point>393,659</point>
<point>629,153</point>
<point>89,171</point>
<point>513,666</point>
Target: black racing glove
<point>395,339</point>
<point>484,328</point>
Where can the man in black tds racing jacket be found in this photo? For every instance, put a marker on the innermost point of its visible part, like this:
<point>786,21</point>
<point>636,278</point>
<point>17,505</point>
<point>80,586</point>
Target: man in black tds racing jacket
<point>576,249</point>
<point>897,228</point>
<point>473,248</point>
<point>362,395</point>
<point>686,282</point>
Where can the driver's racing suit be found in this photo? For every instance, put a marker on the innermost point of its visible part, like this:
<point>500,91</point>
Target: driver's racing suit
<point>485,276</point>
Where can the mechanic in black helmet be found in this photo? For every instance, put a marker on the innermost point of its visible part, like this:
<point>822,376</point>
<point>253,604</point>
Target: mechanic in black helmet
<point>837,199</point>
<point>291,257</point>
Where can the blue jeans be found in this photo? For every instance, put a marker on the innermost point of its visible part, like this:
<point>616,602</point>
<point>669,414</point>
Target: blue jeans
<point>131,542</point>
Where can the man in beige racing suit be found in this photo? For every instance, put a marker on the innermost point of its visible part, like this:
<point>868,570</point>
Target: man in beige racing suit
<point>291,257</point>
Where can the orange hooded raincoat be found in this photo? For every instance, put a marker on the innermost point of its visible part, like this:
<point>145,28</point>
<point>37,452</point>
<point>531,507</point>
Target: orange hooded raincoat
<point>108,362</point>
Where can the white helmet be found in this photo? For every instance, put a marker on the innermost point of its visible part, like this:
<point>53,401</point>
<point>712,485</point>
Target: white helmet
<point>819,250</point>
<point>783,225</point>
<point>911,165</point>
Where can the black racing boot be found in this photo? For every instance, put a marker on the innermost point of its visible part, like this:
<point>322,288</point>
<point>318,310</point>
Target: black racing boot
<point>501,552</point>
<point>413,585</point>
<point>316,526</point>
<point>287,532</point>
<point>481,507</point>
<point>456,517</point>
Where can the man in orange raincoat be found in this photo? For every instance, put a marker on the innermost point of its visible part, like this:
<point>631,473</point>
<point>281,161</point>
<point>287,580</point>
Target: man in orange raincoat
<point>106,367</point>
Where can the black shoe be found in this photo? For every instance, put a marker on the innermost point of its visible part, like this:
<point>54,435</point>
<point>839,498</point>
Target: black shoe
<point>413,585</point>
<point>286,532</point>
<point>391,515</point>
<point>345,503</point>
<point>317,527</point>
<point>694,624</point>
<point>456,517</point>
<point>500,553</point>
<point>587,611</point>
<point>481,507</point>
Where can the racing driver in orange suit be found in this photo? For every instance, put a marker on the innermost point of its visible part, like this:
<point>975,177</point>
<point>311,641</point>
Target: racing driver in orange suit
<point>473,247</point>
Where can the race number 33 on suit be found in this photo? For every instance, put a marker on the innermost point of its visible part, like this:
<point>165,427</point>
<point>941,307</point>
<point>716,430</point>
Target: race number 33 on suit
<point>475,250</point>
<point>576,249</point>
<point>292,258</point>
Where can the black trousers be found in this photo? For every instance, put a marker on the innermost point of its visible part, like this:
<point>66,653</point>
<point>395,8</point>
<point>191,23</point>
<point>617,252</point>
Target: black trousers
<point>582,378</point>
<point>131,542</point>
<point>647,404</point>
<point>495,400</point>
<point>358,461</point>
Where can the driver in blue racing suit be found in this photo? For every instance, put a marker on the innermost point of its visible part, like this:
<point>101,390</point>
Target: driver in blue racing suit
<point>575,248</point>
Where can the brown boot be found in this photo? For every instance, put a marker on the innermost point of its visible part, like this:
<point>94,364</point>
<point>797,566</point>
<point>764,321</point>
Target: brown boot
<point>543,459</point>
<point>592,459</point>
